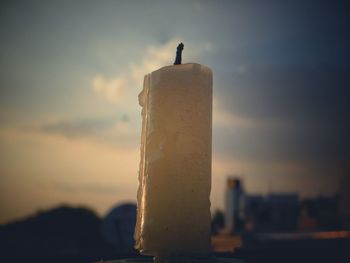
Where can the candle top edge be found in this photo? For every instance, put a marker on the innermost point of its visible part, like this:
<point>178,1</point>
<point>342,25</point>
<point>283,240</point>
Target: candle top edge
<point>184,66</point>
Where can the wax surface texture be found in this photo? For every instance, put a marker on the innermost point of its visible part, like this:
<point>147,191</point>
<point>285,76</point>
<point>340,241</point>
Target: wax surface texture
<point>175,170</point>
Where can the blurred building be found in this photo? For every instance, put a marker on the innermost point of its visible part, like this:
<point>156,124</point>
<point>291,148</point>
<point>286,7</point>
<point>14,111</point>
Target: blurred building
<point>217,222</point>
<point>272,213</point>
<point>344,192</point>
<point>235,210</point>
<point>283,212</point>
<point>321,213</point>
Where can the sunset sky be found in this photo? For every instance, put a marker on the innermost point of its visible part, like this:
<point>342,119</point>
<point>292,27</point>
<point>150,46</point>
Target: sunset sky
<point>70,73</point>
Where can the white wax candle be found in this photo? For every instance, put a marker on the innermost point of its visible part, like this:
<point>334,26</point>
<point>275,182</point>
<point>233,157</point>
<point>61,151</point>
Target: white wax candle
<point>175,169</point>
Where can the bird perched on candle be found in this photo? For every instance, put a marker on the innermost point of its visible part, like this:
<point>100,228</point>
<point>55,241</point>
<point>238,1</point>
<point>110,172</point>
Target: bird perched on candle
<point>180,47</point>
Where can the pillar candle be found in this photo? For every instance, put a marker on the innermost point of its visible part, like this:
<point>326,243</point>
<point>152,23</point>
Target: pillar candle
<point>173,217</point>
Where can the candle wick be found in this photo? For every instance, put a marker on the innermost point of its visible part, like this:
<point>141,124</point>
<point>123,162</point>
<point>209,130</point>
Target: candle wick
<point>179,49</point>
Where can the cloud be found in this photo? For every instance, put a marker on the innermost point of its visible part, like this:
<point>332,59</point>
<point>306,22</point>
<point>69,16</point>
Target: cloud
<point>78,127</point>
<point>41,170</point>
<point>294,113</point>
<point>110,89</point>
<point>292,92</point>
<point>224,119</point>
<point>121,89</point>
<point>117,131</point>
<point>93,188</point>
<point>156,57</point>
<point>73,128</point>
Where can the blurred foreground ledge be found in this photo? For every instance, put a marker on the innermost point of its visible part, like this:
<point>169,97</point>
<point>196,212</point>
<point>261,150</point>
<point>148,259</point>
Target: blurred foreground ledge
<point>213,259</point>
<point>250,240</point>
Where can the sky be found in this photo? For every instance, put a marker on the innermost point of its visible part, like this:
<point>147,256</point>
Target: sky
<point>70,73</point>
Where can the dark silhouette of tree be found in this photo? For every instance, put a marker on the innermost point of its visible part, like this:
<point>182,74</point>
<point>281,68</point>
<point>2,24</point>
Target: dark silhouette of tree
<point>63,233</point>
